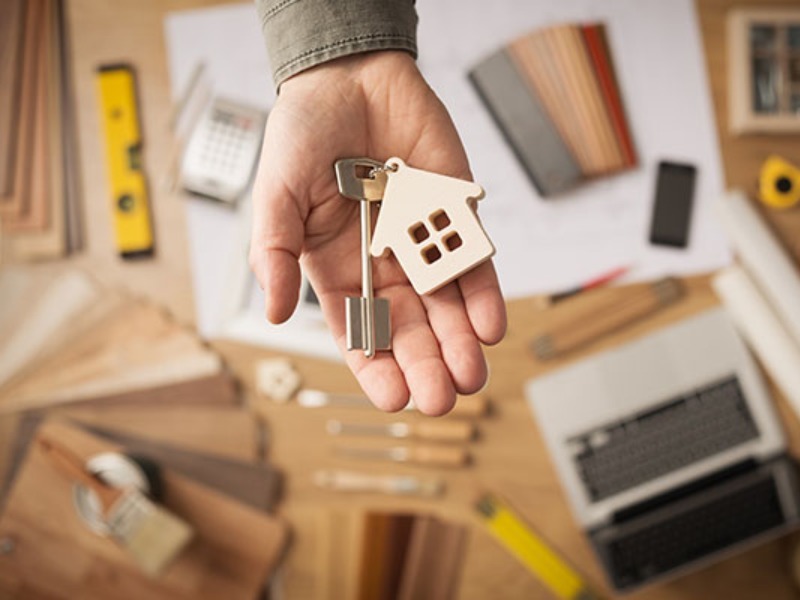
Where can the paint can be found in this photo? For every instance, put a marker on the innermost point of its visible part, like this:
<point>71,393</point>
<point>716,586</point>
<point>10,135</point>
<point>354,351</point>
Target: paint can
<point>116,470</point>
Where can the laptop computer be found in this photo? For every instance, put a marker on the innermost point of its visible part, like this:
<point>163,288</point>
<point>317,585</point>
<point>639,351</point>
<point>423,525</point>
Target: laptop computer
<point>669,450</point>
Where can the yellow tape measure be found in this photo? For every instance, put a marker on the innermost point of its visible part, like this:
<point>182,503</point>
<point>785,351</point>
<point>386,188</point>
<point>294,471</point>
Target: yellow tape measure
<point>779,183</point>
<point>130,207</point>
<point>541,560</point>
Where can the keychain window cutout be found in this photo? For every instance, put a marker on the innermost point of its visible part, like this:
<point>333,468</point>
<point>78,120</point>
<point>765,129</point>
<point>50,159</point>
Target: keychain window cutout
<point>431,254</point>
<point>445,207</point>
<point>419,233</point>
<point>439,220</point>
<point>449,239</point>
<point>452,242</point>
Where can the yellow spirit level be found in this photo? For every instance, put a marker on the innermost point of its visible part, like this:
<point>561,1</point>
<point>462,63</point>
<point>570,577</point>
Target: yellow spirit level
<point>130,206</point>
<point>561,579</point>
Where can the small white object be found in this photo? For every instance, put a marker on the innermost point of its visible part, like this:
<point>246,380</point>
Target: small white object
<point>222,151</point>
<point>277,379</point>
<point>429,222</point>
<point>599,439</point>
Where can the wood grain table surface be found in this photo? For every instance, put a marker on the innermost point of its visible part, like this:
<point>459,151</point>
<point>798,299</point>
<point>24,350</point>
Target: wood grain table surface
<point>509,456</point>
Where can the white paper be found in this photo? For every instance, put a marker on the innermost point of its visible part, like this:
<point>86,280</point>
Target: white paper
<point>762,255</point>
<point>546,245</point>
<point>762,329</point>
<point>542,245</point>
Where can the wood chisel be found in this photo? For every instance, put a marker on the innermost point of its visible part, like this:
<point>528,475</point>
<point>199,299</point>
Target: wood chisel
<point>427,456</point>
<point>434,431</point>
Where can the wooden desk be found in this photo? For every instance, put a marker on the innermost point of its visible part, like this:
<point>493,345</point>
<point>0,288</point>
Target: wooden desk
<point>510,457</point>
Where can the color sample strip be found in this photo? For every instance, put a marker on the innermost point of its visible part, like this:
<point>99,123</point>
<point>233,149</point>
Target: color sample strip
<point>567,74</point>
<point>596,43</point>
<point>525,124</point>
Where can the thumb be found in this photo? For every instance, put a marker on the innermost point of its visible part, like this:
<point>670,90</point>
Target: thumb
<point>275,246</point>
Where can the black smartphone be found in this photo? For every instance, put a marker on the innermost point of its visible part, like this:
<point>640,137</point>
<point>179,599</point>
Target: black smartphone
<point>672,208</point>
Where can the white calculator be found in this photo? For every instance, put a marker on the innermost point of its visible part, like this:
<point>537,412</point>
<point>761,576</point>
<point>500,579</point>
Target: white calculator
<point>222,151</point>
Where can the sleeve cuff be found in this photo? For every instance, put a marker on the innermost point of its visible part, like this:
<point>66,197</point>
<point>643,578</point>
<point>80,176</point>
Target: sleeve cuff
<point>304,33</point>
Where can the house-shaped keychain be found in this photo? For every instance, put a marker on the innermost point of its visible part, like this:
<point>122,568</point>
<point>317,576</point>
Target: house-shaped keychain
<point>427,220</point>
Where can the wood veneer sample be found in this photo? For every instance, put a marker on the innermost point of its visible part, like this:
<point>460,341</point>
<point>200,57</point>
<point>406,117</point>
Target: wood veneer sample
<point>235,550</point>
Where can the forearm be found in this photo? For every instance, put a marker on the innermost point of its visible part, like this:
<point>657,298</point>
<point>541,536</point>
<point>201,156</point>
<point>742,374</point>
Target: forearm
<point>303,33</point>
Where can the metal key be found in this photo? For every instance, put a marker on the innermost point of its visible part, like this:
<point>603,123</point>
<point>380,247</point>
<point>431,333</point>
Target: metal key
<point>367,317</point>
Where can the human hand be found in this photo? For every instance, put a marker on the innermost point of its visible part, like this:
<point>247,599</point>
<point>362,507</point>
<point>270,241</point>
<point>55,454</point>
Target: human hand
<point>373,105</point>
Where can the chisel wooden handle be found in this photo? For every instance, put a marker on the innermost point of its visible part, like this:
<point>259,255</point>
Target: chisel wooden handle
<point>599,321</point>
<point>437,456</point>
<point>470,407</point>
<point>440,430</point>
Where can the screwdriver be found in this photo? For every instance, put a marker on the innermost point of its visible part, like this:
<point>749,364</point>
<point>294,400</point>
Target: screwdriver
<point>435,431</point>
<point>402,485</point>
<point>428,456</point>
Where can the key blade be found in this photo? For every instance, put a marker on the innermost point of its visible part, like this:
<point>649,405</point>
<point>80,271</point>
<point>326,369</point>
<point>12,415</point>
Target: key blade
<point>356,331</point>
<point>354,320</point>
<point>383,324</point>
<point>356,181</point>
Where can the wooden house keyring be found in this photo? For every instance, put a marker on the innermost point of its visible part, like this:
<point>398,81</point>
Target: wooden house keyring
<point>427,220</point>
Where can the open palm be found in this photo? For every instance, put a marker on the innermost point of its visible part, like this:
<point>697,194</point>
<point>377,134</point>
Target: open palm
<point>373,105</point>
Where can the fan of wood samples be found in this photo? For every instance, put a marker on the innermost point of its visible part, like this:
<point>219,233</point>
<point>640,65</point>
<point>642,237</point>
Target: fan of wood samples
<point>98,370</point>
<point>38,186</point>
<point>65,339</point>
<point>555,96</point>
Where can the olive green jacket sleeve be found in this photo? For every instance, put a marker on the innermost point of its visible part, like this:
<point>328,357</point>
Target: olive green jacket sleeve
<point>304,33</point>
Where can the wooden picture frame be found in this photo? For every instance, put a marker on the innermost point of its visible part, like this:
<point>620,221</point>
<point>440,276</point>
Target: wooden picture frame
<point>764,70</point>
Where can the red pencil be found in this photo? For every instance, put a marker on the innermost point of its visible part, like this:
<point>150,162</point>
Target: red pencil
<point>595,282</point>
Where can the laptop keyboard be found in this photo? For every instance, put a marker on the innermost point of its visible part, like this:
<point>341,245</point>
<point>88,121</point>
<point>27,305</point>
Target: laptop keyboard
<point>680,431</point>
<point>684,533</point>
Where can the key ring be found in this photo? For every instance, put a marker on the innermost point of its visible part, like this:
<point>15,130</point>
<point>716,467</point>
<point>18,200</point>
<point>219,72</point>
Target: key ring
<point>384,168</point>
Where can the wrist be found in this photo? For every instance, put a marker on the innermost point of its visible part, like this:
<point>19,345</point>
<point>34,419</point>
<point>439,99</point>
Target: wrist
<point>365,70</point>
<point>303,34</point>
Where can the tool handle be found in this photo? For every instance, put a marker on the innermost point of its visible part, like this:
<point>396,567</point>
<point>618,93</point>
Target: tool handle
<point>438,456</point>
<point>72,467</point>
<point>600,321</point>
<point>470,407</point>
<point>348,481</point>
<point>443,431</point>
